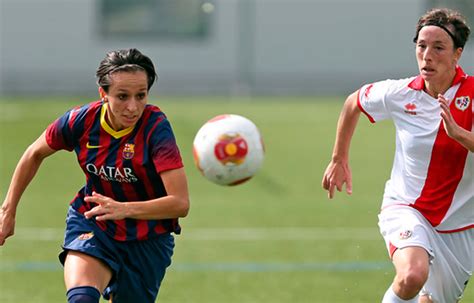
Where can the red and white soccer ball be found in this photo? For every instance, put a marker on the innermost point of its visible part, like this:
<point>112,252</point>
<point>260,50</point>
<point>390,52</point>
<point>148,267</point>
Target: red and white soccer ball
<point>228,149</point>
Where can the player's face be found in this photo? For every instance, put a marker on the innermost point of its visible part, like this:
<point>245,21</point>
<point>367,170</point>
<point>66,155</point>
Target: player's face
<point>436,55</point>
<point>127,97</point>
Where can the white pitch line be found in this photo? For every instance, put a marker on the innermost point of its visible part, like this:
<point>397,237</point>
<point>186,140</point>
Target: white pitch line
<point>38,234</point>
<point>232,234</point>
<point>280,233</point>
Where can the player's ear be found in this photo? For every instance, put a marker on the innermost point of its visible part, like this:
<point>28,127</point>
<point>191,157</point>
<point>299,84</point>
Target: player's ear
<point>102,94</point>
<point>457,54</point>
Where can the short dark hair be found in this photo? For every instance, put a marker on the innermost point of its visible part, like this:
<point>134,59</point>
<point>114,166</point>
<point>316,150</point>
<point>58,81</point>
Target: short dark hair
<point>447,19</point>
<point>124,60</point>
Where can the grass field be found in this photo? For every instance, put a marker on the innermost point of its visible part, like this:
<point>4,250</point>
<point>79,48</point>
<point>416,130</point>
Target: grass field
<point>274,239</point>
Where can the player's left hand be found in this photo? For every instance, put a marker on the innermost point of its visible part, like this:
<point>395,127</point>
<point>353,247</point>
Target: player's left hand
<point>106,209</point>
<point>449,123</point>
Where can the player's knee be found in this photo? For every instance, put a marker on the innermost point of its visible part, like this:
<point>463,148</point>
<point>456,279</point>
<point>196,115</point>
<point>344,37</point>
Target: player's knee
<point>83,294</point>
<point>411,281</point>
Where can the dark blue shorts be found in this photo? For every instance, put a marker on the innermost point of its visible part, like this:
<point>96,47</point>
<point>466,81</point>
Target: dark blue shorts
<point>138,266</point>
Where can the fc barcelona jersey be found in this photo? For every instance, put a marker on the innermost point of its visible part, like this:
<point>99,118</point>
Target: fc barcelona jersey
<point>123,165</point>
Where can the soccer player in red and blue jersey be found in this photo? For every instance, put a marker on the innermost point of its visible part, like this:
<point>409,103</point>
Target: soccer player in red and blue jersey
<point>118,239</point>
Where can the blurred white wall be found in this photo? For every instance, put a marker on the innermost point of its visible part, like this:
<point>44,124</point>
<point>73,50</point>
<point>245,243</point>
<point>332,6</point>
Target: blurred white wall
<point>291,47</point>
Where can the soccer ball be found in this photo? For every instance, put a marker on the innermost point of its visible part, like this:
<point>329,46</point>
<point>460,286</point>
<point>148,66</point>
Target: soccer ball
<point>228,149</point>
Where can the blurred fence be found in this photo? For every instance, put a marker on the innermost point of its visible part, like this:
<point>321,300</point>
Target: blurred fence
<point>215,47</point>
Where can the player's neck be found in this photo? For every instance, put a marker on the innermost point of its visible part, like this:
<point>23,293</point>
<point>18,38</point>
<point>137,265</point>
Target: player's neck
<point>434,88</point>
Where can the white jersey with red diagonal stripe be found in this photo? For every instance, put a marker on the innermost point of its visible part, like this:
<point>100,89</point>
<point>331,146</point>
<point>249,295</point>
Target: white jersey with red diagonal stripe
<point>431,172</point>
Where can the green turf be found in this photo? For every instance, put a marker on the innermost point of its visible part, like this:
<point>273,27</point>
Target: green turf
<point>274,239</point>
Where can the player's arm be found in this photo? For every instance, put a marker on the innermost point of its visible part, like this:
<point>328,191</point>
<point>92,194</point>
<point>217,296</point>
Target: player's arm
<point>338,171</point>
<point>22,176</point>
<point>461,135</point>
<point>174,205</point>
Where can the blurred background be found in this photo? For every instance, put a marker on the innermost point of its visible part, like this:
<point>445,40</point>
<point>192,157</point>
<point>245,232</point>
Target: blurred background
<point>285,64</point>
<point>224,47</point>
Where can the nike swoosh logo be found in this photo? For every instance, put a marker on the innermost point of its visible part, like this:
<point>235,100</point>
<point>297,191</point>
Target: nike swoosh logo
<point>92,146</point>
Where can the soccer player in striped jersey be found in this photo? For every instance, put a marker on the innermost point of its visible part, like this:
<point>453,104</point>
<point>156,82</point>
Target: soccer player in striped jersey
<point>119,226</point>
<point>427,215</point>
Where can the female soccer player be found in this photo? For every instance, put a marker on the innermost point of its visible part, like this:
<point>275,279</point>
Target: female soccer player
<point>119,227</point>
<point>427,215</point>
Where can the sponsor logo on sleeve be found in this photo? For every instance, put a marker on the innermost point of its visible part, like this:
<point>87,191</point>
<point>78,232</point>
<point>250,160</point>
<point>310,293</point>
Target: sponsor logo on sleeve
<point>367,91</point>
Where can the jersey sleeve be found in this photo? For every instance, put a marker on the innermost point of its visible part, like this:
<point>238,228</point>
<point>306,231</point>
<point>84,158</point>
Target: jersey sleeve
<point>165,151</point>
<point>372,100</point>
<point>59,134</point>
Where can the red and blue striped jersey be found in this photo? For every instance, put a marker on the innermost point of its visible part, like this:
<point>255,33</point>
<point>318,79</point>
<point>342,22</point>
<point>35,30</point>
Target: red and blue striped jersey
<point>124,165</point>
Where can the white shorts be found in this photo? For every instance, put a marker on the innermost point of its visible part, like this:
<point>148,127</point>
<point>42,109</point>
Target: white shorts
<point>451,254</point>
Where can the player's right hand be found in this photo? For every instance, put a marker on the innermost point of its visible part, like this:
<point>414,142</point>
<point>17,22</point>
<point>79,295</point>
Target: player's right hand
<point>7,225</point>
<point>335,176</point>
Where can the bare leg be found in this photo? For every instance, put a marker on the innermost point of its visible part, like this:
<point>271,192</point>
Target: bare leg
<point>412,267</point>
<point>84,270</point>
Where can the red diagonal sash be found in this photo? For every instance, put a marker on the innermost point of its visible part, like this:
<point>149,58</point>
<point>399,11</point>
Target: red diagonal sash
<point>447,162</point>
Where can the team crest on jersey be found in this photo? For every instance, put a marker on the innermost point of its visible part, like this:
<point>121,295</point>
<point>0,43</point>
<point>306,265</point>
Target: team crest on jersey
<point>405,234</point>
<point>128,151</point>
<point>462,103</point>
<point>86,236</point>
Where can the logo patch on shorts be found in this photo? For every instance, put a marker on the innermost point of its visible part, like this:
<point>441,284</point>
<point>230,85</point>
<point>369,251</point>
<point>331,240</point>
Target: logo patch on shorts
<point>86,236</point>
<point>405,234</point>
